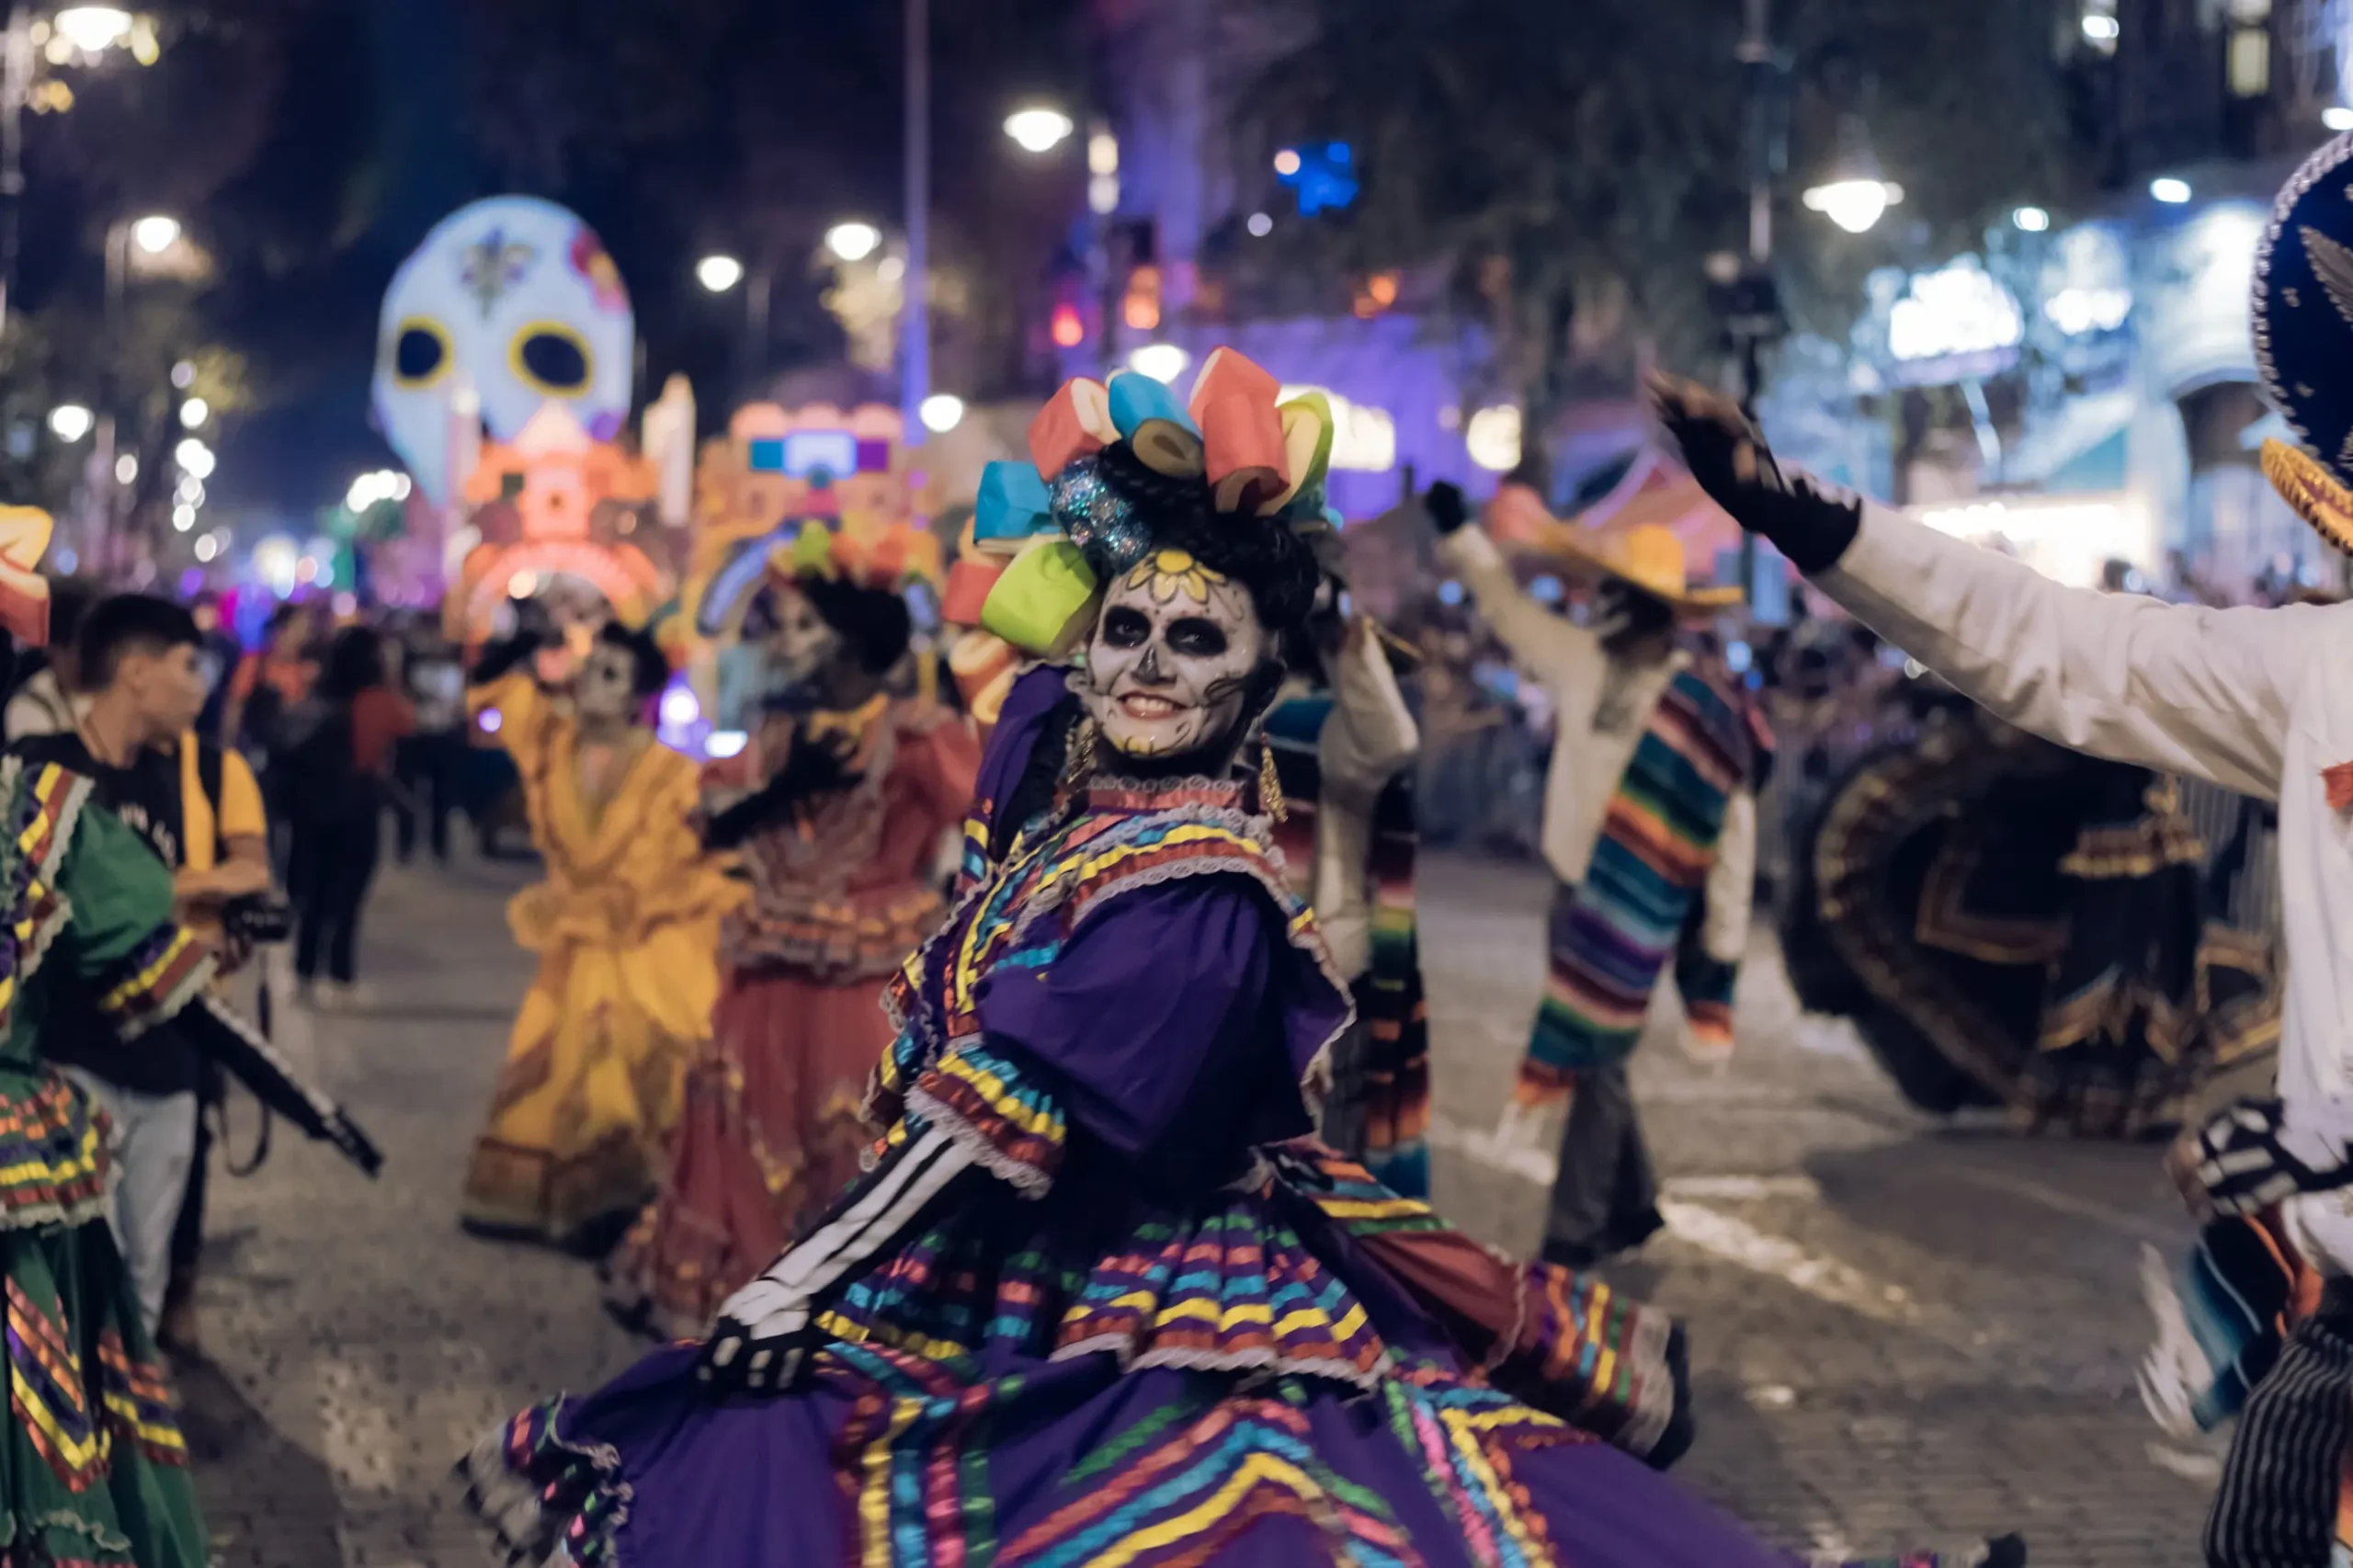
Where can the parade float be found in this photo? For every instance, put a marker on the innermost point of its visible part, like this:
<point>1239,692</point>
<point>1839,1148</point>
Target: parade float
<point>510,307</point>
<point>552,508</point>
<point>756,489</point>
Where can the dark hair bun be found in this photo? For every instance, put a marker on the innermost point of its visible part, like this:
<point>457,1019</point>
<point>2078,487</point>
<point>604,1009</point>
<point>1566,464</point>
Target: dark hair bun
<point>873,622</point>
<point>1268,557</point>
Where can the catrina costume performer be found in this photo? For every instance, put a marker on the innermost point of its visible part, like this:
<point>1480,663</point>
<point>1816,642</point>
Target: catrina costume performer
<point>2009,922</point>
<point>2251,700</point>
<point>1089,1306</point>
<point>1650,828</point>
<point>841,845</point>
<point>1344,744</point>
<point>626,927</point>
<point>96,1470</point>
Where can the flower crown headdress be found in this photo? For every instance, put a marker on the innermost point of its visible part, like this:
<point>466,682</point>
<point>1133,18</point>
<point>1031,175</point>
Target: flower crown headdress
<point>1026,573</point>
<point>885,556</point>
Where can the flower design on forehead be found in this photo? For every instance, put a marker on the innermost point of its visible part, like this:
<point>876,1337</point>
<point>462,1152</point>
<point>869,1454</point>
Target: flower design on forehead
<point>1047,534</point>
<point>1168,572</point>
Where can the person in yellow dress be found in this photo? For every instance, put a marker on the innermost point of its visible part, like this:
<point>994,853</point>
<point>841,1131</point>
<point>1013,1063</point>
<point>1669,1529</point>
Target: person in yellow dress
<point>626,927</point>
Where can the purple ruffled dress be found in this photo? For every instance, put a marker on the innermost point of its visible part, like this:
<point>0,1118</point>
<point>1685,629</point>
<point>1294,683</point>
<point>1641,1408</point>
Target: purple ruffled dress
<point>1148,1329</point>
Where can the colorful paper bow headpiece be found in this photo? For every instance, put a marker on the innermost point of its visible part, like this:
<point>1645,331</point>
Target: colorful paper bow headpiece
<point>887,557</point>
<point>2304,339</point>
<point>24,592</point>
<point>1024,576</point>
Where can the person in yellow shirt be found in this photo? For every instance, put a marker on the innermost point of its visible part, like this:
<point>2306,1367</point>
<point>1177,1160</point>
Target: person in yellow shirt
<point>224,838</point>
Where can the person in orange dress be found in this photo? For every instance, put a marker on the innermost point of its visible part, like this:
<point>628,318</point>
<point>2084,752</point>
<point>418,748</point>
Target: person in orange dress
<point>842,846</point>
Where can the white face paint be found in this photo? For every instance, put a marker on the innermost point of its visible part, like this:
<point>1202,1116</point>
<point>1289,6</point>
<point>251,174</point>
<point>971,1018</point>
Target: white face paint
<point>1171,659</point>
<point>606,692</point>
<point>802,644</point>
<point>516,298</point>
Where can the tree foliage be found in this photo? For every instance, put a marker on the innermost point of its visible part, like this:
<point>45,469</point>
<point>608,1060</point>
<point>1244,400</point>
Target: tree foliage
<point>1572,166</point>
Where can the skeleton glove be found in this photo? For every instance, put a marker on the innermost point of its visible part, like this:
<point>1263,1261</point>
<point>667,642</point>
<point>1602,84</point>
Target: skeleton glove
<point>1806,520</point>
<point>2243,1162</point>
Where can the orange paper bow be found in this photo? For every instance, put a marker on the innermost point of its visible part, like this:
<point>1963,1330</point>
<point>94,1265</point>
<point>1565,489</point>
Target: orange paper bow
<point>24,593</point>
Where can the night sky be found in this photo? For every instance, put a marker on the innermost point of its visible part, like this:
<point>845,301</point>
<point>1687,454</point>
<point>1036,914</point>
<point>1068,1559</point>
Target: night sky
<point>312,143</point>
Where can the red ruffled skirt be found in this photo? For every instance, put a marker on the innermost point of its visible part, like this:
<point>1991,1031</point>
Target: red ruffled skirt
<point>769,1134</point>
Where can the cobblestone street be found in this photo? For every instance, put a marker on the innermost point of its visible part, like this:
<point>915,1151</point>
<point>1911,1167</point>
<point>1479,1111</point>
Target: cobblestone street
<point>1900,1330</point>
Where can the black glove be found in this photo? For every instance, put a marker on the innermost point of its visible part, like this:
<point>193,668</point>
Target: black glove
<point>815,767</point>
<point>1808,522</point>
<point>498,658</point>
<point>1447,509</point>
<point>2242,1164</point>
<point>742,1357</point>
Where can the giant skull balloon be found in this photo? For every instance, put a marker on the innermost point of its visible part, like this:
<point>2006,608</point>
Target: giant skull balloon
<point>515,299</point>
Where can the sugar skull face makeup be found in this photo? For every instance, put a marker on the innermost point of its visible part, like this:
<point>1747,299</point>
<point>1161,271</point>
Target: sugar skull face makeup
<point>1169,665</point>
<point>802,643</point>
<point>606,688</point>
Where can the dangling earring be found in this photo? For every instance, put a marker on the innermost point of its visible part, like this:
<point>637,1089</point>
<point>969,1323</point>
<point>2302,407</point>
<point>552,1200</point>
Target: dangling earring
<point>1078,765</point>
<point>1271,785</point>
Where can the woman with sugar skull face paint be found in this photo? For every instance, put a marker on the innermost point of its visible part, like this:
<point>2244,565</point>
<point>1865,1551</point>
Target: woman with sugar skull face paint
<point>626,927</point>
<point>841,846</point>
<point>1097,1298</point>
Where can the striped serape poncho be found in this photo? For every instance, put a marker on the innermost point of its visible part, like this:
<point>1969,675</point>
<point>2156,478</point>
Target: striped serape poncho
<point>1379,1104</point>
<point>1640,906</point>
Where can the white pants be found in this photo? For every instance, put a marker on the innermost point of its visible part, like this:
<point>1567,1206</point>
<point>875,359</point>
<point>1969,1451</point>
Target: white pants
<point>153,1146</point>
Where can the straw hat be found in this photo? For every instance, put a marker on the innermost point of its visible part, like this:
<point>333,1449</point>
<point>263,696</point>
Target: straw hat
<point>1648,556</point>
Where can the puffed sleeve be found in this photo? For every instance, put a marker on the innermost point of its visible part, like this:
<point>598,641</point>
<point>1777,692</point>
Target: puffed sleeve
<point>1179,1017</point>
<point>141,964</point>
<point>526,716</point>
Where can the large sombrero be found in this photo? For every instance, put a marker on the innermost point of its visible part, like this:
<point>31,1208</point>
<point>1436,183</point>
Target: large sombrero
<point>1647,555</point>
<point>2304,339</point>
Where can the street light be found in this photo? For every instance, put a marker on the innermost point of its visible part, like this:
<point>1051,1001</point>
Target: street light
<point>1855,205</point>
<point>93,29</point>
<point>155,234</point>
<point>1854,196</point>
<point>1161,361</point>
<point>2172,192</point>
<point>1039,128</point>
<point>2337,117</point>
<point>71,421</point>
<point>194,413</point>
<point>853,241</point>
<point>719,273</point>
<point>942,412</point>
<point>2031,220</point>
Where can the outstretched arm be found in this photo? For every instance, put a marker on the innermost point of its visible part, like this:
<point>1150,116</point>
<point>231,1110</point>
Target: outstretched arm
<point>2176,688</point>
<point>1554,648</point>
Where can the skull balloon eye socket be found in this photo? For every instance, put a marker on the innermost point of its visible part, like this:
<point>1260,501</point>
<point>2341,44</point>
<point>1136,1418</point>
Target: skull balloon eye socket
<point>420,352</point>
<point>551,359</point>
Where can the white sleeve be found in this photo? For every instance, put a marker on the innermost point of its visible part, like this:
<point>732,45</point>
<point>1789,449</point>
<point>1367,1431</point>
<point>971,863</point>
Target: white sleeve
<point>1552,647</point>
<point>2176,688</point>
<point>1731,883</point>
<point>1371,732</point>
